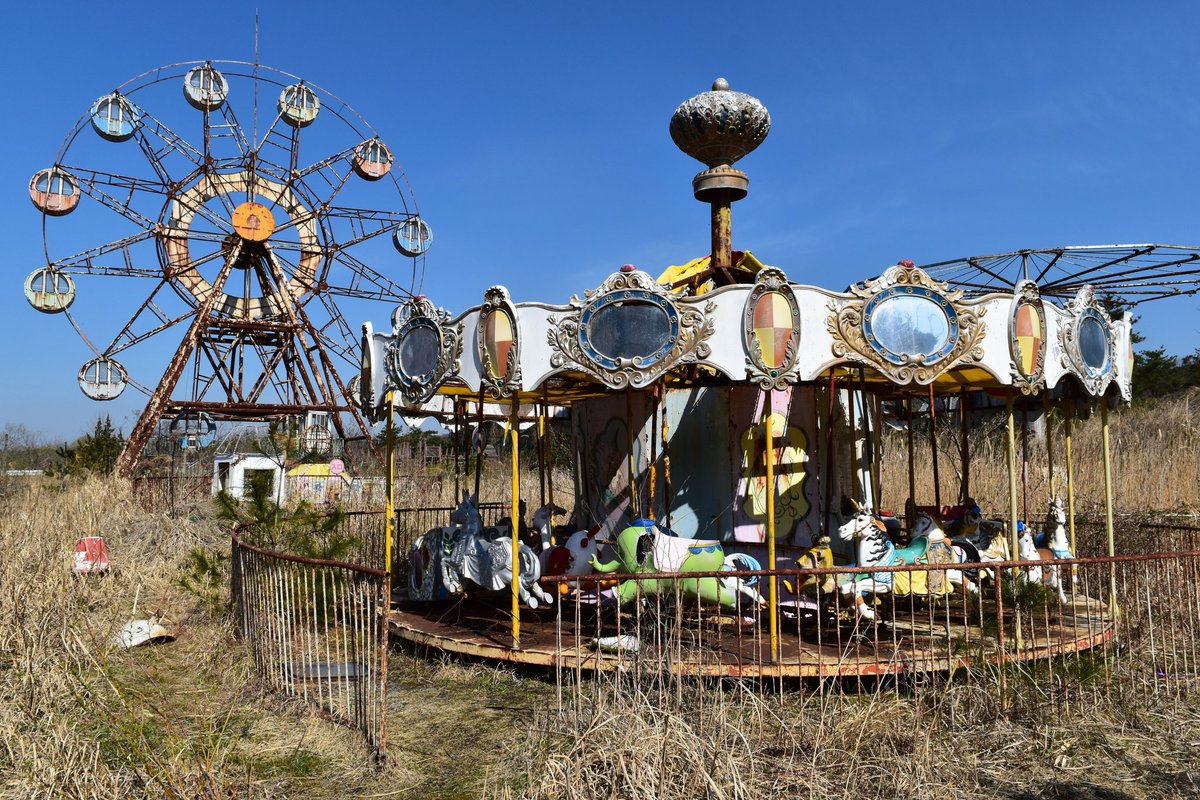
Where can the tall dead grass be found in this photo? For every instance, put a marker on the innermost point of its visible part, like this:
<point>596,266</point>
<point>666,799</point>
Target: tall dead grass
<point>1155,452</point>
<point>741,742</point>
<point>82,718</point>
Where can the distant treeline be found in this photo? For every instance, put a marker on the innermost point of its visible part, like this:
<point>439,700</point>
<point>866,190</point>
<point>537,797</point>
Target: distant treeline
<point>1156,374</point>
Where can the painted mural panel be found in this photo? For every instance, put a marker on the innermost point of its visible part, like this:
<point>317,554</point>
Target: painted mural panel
<point>698,425</point>
<point>717,487</point>
<point>796,486</point>
<point>603,438</point>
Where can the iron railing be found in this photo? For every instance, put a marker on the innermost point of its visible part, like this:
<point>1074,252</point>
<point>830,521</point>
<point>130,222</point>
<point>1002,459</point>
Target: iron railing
<point>1124,626</point>
<point>318,631</point>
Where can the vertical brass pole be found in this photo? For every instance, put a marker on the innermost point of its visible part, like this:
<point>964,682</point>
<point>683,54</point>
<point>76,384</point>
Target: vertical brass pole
<point>666,456</point>
<point>1012,506</point>
<point>629,440</point>
<point>516,524</point>
<point>854,462</point>
<point>389,524</point>
<point>827,478</point>
<point>1049,442</point>
<point>482,445</point>
<point>1067,418</point>
<point>964,421</point>
<point>652,432</point>
<point>910,508</point>
<point>937,478</point>
<point>1108,506</point>
<point>549,446</point>
<point>773,596</point>
<point>541,453</point>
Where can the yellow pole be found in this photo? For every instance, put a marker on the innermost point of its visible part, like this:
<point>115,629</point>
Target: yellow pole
<point>389,524</point>
<point>1049,442</point>
<point>910,508</point>
<point>516,525</point>
<point>629,439</point>
<point>1108,506</point>
<point>1070,413</point>
<point>1012,505</point>
<point>774,598</point>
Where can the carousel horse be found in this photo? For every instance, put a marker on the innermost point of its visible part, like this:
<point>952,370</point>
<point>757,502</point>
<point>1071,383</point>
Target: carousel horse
<point>960,551</point>
<point>646,550</point>
<point>1059,547</point>
<point>983,540</point>
<point>818,556</point>
<point>873,548</point>
<point>543,523</point>
<point>468,552</point>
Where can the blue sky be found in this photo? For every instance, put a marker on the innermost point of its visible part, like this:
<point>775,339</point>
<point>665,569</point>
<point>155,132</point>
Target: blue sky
<point>535,139</point>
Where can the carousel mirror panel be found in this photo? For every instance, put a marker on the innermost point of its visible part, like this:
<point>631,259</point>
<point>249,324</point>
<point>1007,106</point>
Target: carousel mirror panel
<point>1094,343</point>
<point>498,343</point>
<point>771,330</point>
<point>1027,337</point>
<point>911,324</point>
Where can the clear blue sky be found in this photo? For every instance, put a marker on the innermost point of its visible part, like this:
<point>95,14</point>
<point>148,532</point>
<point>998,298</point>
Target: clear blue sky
<point>535,138</point>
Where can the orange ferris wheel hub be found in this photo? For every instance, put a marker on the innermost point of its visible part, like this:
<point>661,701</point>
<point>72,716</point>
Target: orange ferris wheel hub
<point>253,222</point>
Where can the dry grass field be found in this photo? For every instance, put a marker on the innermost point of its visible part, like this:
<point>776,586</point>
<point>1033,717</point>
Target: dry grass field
<point>80,717</point>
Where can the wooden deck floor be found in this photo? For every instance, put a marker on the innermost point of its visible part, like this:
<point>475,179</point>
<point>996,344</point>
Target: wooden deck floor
<point>916,638</point>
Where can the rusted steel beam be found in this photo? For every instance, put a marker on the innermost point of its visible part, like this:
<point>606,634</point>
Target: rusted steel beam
<point>144,427</point>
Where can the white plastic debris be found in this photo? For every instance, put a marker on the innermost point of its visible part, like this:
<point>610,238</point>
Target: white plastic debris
<point>143,631</point>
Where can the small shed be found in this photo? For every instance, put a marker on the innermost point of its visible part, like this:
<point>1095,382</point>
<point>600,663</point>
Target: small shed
<point>232,473</point>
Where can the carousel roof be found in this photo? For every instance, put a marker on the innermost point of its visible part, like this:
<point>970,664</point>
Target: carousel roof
<point>904,331</point>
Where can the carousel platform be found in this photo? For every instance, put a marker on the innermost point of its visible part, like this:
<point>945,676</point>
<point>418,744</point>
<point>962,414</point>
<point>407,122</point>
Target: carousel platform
<point>914,638</point>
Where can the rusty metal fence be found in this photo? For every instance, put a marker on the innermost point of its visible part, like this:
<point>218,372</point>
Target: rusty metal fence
<point>1124,628</point>
<point>317,631</point>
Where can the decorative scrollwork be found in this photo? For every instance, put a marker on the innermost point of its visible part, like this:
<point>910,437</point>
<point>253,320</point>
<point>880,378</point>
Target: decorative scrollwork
<point>497,339</point>
<point>1027,337</point>
<point>1085,310</point>
<point>779,367</point>
<point>593,338</point>
<point>426,349</point>
<point>850,324</point>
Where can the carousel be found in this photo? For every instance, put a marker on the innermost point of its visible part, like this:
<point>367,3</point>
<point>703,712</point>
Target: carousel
<point>726,512</point>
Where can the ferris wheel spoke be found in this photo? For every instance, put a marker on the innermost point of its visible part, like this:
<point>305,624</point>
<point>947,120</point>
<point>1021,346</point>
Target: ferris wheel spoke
<point>341,346</point>
<point>365,223</point>
<point>227,128</point>
<point>94,190</point>
<point>157,141</point>
<point>129,336</point>
<point>84,263</point>
<point>366,283</point>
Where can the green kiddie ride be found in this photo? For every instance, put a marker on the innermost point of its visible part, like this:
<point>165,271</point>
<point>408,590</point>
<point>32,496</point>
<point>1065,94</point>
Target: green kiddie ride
<point>642,549</point>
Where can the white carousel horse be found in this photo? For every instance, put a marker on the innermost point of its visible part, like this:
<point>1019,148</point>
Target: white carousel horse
<point>872,548</point>
<point>1057,546</point>
<point>466,551</point>
<point>927,526</point>
<point>543,523</point>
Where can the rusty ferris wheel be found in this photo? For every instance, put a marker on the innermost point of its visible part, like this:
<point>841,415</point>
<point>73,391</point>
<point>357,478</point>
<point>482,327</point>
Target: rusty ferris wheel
<point>237,246</point>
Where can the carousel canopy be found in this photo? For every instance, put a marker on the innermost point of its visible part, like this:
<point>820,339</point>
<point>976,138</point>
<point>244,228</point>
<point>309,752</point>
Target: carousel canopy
<point>902,331</point>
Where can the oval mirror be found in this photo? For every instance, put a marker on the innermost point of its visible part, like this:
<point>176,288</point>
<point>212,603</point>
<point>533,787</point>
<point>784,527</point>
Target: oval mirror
<point>910,325</point>
<point>629,329</point>
<point>419,349</point>
<point>1093,344</point>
